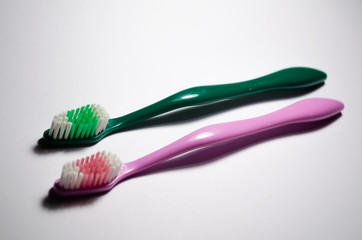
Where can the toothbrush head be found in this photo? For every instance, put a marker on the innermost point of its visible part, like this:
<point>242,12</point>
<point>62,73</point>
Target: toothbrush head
<point>81,125</point>
<point>92,174</point>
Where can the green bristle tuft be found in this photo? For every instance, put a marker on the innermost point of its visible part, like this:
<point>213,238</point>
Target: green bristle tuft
<point>85,122</point>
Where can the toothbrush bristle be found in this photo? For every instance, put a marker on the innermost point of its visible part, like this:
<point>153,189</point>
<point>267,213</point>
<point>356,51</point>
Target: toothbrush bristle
<point>83,122</point>
<point>93,171</point>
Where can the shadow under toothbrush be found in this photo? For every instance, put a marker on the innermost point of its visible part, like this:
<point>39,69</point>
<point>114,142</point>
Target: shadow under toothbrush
<point>43,148</point>
<point>190,114</point>
<point>196,158</point>
<point>54,202</point>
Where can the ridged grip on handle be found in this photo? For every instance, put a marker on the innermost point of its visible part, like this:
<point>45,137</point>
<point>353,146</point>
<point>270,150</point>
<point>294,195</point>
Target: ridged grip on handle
<point>289,78</point>
<point>303,111</point>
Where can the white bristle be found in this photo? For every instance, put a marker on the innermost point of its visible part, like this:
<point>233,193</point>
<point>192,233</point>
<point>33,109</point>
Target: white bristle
<point>56,128</point>
<point>51,130</point>
<point>103,118</point>
<point>67,131</point>
<point>67,180</point>
<point>62,177</point>
<point>79,180</point>
<point>73,179</point>
<point>62,128</point>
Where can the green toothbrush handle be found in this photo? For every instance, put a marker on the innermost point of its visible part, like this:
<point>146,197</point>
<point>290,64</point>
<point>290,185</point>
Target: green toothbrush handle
<point>290,78</point>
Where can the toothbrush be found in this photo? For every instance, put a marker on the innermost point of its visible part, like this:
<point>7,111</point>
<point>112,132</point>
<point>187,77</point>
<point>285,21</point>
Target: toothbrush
<point>89,124</point>
<point>102,171</point>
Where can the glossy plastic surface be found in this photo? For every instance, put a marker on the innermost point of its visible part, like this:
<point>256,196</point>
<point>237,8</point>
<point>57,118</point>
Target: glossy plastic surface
<point>290,78</point>
<point>313,109</point>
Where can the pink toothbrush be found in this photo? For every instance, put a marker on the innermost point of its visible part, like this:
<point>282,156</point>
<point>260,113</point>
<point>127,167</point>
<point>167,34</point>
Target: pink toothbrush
<point>102,171</point>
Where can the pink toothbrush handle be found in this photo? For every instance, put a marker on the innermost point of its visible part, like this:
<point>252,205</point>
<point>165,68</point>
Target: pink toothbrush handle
<point>308,110</point>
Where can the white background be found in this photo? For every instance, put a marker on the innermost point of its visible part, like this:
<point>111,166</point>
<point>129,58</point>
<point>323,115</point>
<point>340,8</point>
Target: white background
<point>124,55</point>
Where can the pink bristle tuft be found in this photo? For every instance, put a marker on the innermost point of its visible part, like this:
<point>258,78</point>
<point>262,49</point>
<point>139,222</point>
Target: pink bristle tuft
<point>89,172</point>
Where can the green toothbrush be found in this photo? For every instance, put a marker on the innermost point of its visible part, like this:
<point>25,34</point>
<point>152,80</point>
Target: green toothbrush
<point>89,124</point>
